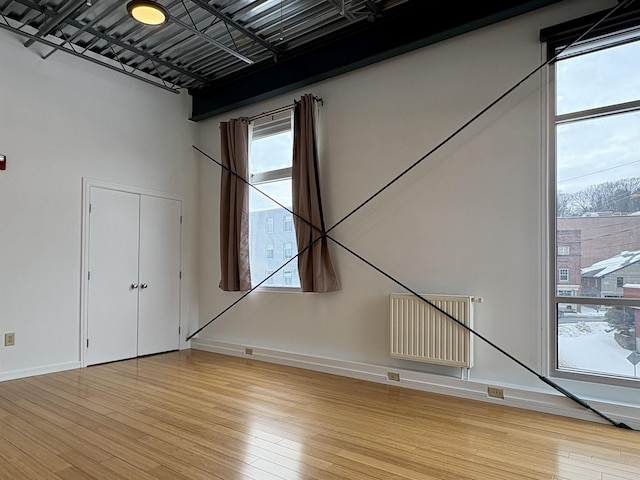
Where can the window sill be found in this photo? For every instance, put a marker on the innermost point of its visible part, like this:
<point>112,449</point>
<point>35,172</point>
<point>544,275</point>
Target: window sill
<point>270,289</point>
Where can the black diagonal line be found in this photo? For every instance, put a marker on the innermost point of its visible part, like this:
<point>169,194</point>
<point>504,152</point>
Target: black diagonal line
<point>245,294</point>
<point>542,378</point>
<point>402,174</point>
<point>264,194</point>
<point>479,114</point>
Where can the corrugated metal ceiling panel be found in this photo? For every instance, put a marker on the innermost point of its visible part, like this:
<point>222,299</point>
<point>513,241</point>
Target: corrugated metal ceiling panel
<point>201,41</point>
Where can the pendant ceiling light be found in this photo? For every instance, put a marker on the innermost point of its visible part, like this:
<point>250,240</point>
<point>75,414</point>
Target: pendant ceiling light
<point>147,12</point>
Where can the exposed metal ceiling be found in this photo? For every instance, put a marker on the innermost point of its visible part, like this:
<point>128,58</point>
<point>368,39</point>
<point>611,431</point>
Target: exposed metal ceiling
<point>229,53</point>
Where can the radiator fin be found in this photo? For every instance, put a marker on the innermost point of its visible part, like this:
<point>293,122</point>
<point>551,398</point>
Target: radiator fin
<point>421,333</point>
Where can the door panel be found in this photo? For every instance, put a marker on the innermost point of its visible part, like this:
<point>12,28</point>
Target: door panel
<point>113,266</point>
<point>159,302</point>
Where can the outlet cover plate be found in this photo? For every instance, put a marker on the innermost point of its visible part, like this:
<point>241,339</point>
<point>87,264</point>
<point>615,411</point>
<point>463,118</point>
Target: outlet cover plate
<point>495,392</point>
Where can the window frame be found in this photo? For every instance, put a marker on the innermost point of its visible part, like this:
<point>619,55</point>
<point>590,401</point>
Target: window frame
<point>275,124</point>
<point>555,38</point>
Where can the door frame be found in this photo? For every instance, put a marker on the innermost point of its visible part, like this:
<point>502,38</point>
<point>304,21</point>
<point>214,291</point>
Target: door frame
<point>87,184</point>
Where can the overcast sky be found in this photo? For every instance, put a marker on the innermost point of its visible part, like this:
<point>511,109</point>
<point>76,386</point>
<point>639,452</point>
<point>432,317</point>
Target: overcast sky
<point>269,153</point>
<point>606,148</point>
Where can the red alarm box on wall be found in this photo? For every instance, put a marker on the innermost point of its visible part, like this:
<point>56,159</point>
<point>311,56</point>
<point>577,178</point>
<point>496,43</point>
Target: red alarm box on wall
<point>3,162</point>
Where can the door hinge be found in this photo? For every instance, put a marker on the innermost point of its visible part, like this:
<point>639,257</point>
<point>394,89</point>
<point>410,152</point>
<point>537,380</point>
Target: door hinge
<point>180,219</point>
<point>180,276</point>
<point>179,330</point>
<point>88,275</point>
<point>89,208</point>
<point>87,343</point>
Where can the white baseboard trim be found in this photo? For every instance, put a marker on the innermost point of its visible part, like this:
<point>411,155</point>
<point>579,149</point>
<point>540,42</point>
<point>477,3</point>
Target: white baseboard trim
<point>31,372</point>
<point>539,401</point>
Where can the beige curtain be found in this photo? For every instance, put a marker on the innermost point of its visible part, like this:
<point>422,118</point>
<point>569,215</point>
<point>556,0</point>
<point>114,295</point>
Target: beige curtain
<point>314,264</point>
<point>234,206</point>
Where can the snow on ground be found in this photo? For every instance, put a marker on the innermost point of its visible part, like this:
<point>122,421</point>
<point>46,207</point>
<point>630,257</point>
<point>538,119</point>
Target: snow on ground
<point>589,345</point>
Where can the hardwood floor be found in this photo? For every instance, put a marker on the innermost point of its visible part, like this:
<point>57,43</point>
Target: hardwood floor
<point>199,415</point>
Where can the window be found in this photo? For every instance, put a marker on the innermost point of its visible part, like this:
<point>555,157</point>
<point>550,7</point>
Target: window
<point>270,162</point>
<point>288,275</point>
<point>595,175</point>
<point>563,275</point>
<point>288,223</point>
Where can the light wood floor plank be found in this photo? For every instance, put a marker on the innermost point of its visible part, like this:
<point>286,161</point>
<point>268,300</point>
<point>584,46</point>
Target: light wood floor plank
<point>199,415</point>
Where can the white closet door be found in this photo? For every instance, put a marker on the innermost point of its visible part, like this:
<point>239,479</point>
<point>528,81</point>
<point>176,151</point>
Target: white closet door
<point>159,304</point>
<point>113,269</point>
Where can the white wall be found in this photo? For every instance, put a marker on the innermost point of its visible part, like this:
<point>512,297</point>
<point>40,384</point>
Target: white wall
<point>61,120</point>
<point>470,219</point>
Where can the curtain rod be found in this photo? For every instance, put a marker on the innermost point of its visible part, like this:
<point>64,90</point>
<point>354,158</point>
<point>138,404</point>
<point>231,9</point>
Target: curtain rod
<point>280,110</point>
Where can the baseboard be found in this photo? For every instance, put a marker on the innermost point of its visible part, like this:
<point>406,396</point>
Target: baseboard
<point>30,372</point>
<point>539,401</point>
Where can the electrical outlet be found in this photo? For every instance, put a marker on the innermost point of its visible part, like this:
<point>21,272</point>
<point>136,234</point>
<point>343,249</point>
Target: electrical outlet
<point>9,339</point>
<point>495,392</point>
<point>248,351</point>
<point>393,376</point>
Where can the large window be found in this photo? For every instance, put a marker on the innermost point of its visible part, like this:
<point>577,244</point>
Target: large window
<point>272,240</point>
<point>595,177</point>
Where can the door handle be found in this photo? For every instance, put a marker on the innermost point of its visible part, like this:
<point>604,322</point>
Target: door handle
<point>134,286</point>
<point>143,285</point>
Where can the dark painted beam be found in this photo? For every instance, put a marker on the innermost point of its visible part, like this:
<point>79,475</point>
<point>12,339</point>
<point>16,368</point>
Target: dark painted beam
<point>402,29</point>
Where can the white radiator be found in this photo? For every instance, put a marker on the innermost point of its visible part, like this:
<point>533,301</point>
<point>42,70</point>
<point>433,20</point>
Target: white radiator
<point>421,333</point>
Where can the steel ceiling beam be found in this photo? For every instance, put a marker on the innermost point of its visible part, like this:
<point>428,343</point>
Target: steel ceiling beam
<point>339,6</point>
<point>104,14</point>
<point>56,20</point>
<point>375,9</point>
<point>230,21</point>
<point>84,57</point>
<point>112,40</point>
<point>212,41</point>
<point>401,29</point>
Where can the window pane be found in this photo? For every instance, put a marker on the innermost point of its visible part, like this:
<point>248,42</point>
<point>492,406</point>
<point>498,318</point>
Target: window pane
<point>597,228</point>
<point>269,251</point>
<point>271,153</point>
<point>598,339</point>
<point>614,77</point>
<point>598,200</point>
<point>270,244</point>
<point>592,152</point>
<point>280,191</point>
<point>271,233</point>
